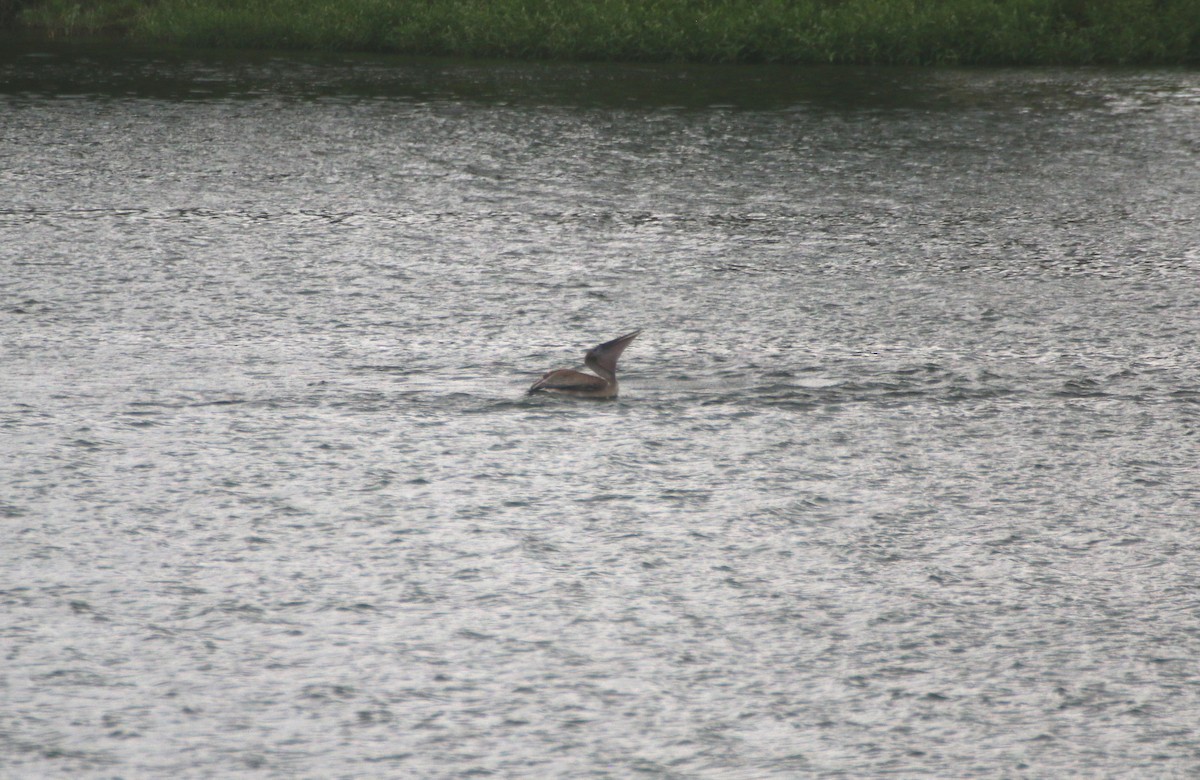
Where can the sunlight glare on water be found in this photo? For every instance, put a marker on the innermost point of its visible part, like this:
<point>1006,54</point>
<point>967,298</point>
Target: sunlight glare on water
<point>901,480</point>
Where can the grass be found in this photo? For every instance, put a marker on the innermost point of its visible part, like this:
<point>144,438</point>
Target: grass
<point>977,32</point>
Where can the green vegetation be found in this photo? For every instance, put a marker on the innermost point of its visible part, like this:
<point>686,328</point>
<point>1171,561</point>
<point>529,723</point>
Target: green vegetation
<point>984,32</point>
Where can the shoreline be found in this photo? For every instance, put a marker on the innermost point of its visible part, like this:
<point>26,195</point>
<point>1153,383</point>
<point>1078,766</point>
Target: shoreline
<point>802,32</point>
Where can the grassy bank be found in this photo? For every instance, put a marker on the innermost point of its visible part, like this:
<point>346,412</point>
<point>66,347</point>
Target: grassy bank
<point>985,32</point>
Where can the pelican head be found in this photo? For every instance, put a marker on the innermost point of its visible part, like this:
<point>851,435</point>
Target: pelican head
<point>602,358</point>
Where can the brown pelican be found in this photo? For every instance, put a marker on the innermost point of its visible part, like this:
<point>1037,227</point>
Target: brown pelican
<point>602,359</point>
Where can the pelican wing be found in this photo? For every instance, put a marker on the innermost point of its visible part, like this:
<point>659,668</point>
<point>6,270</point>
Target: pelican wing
<point>605,355</point>
<point>566,379</point>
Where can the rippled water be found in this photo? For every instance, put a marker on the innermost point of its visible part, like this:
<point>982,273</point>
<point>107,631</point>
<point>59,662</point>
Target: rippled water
<point>902,479</point>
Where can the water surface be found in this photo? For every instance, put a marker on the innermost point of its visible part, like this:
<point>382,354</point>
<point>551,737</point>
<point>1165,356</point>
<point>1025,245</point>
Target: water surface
<point>902,479</point>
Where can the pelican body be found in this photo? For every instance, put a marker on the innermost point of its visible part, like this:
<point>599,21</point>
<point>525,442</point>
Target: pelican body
<point>602,359</point>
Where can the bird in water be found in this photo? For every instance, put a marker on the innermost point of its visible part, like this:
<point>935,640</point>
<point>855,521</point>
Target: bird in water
<point>602,359</point>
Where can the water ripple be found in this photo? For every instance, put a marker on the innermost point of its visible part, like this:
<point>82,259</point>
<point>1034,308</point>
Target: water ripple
<point>900,481</point>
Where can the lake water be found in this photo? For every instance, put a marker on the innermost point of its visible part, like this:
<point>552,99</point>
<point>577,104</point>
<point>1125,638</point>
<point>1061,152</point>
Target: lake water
<point>902,479</point>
